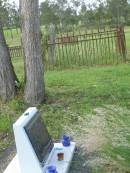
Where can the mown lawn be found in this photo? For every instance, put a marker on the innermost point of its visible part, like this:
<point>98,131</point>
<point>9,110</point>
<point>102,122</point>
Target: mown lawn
<point>71,97</point>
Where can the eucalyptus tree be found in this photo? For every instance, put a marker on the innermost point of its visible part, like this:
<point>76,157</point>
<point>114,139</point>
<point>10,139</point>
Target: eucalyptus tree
<point>30,25</point>
<point>8,78</point>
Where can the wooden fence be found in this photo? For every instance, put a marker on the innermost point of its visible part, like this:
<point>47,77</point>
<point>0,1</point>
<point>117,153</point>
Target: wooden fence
<point>72,49</point>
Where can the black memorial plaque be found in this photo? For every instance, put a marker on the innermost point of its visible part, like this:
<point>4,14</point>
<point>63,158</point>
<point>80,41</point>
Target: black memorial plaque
<point>39,137</point>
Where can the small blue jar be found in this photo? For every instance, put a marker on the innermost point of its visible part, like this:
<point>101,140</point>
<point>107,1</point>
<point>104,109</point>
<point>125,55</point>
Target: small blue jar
<point>66,140</point>
<point>51,169</point>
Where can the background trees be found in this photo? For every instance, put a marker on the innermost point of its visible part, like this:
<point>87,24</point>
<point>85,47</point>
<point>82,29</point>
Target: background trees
<point>4,12</point>
<point>117,11</point>
<point>58,12</point>
<point>47,13</point>
<point>73,11</point>
<point>62,12</point>
<point>9,14</point>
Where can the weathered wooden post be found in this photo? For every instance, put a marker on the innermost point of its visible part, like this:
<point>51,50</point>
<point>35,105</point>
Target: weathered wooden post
<point>52,39</point>
<point>121,42</point>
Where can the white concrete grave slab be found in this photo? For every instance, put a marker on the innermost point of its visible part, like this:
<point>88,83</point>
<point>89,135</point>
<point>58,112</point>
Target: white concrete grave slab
<point>35,149</point>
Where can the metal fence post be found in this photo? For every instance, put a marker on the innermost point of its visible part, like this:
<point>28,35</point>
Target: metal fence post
<point>121,42</point>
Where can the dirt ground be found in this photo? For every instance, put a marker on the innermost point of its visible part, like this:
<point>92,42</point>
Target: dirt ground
<point>89,142</point>
<point>6,157</point>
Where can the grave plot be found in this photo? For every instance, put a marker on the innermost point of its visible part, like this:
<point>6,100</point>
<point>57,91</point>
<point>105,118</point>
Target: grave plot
<point>36,151</point>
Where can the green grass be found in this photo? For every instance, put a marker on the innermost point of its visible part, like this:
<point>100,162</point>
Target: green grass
<point>71,96</point>
<point>121,151</point>
<point>19,67</point>
<point>13,37</point>
<point>117,131</point>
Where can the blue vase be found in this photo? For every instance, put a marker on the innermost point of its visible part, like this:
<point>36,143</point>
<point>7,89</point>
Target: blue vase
<point>66,140</point>
<point>51,169</point>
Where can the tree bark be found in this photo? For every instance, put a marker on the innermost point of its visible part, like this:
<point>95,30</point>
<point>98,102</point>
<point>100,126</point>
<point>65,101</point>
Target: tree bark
<point>7,75</point>
<point>30,24</point>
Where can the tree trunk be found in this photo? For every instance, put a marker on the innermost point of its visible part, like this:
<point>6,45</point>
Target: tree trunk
<point>30,24</point>
<point>7,75</point>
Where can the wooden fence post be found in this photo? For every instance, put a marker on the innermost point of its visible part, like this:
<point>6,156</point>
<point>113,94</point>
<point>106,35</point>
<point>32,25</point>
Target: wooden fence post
<point>52,38</point>
<point>121,42</point>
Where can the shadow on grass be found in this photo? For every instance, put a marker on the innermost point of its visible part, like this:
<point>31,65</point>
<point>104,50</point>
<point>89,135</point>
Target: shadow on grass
<point>79,162</point>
